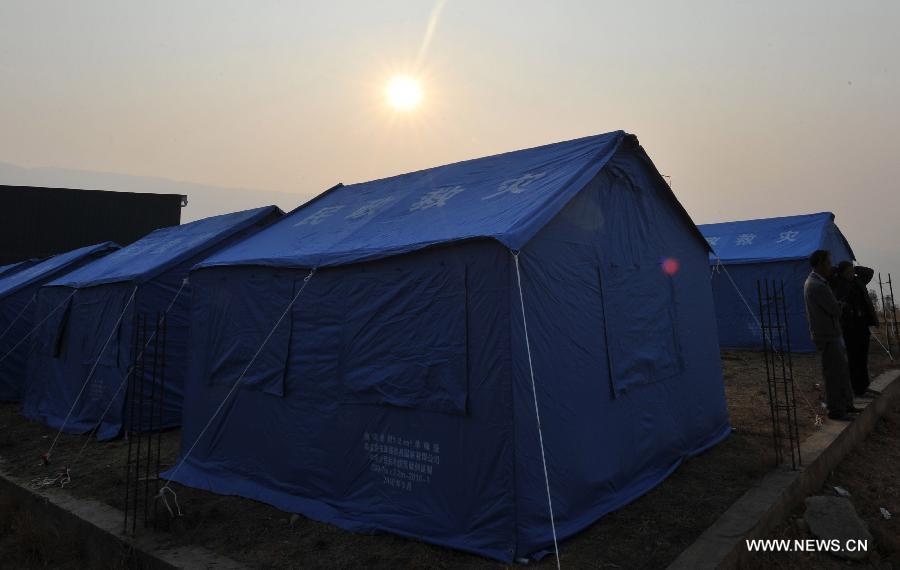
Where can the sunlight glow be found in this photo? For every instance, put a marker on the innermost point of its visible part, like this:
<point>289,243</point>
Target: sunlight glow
<point>404,93</point>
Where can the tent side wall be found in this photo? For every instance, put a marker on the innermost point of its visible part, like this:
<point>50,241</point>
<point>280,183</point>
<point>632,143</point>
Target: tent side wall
<point>16,318</point>
<point>52,308</point>
<point>67,347</point>
<point>152,299</point>
<point>382,402</point>
<point>155,296</point>
<point>14,369</point>
<point>625,356</point>
<point>737,314</point>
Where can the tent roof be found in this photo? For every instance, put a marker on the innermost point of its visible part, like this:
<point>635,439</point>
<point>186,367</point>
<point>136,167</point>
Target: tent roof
<point>4,269</point>
<point>24,278</point>
<point>161,249</point>
<point>770,239</point>
<point>508,197</point>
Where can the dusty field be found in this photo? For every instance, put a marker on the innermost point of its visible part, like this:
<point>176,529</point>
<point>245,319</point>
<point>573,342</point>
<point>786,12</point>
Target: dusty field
<point>649,533</point>
<point>746,391</point>
<point>870,474</point>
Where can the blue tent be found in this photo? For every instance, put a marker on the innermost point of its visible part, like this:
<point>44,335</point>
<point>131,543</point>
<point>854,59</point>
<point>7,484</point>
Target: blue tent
<point>770,249</point>
<point>84,354</point>
<point>18,289</point>
<point>9,269</point>
<point>395,391</point>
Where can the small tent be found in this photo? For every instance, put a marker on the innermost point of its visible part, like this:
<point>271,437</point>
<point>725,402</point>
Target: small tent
<point>18,291</point>
<point>772,250</point>
<point>396,387</point>
<point>9,269</point>
<point>78,374</point>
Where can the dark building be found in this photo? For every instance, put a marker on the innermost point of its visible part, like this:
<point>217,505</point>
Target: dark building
<point>38,222</point>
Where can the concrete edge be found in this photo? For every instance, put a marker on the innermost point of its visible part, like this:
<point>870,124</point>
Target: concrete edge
<point>98,528</point>
<point>770,500</point>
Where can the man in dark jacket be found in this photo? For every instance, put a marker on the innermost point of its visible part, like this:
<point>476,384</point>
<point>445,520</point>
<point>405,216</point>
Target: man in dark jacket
<point>824,313</point>
<point>858,314</point>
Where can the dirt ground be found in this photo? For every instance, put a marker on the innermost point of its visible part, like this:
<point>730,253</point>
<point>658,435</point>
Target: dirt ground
<point>649,533</point>
<point>870,474</point>
<point>26,544</point>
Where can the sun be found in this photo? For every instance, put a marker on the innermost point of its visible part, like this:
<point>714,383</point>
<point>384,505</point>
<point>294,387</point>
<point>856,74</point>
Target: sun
<point>404,93</point>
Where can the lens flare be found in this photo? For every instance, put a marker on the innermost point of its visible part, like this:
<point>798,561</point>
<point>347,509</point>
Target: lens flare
<point>670,266</point>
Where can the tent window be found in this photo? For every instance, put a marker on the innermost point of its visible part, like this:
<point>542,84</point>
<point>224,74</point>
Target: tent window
<point>642,341</point>
<point>404,339</point>
<point>58,324</point>
<point>97,314</point>
<point>238,314</point>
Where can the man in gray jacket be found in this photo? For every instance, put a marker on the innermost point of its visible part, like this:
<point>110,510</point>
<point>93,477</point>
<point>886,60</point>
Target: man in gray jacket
<point>824,313</point>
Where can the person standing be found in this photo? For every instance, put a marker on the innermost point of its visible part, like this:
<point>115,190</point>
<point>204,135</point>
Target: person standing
<point>823,311</point>
<point>858,314</point>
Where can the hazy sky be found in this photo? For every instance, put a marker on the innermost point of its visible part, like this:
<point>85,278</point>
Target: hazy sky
<point>753,108</point>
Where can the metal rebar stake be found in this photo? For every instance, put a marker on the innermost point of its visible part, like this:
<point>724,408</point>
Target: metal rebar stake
<point>790,365</point>
<point>152,400</point>
<point>139,387</point>
<point>784,379</point>
<point>893,310</point>
<point>162,392</point>
<point>773,314</point>
<point>884,316</point>
<point>129,395</point>
<point>773,394</point>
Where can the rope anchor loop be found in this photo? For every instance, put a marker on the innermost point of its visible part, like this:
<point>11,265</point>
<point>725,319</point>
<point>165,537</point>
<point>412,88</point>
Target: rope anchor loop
<point>162,496</point>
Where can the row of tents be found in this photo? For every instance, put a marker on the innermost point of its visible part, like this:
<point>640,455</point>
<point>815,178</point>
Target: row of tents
<point>451,354</point>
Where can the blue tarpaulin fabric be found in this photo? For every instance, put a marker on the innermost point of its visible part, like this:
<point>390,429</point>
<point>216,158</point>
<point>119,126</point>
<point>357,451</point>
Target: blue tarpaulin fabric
<point>9,269</point>
<point>17,311</point>
<point>508,197</point>
<point>161,249</point>
<point>772,250</point>
<point>51,267</point>
<point>143,278</point>
<point>396,394</point>
<point>774,239</point>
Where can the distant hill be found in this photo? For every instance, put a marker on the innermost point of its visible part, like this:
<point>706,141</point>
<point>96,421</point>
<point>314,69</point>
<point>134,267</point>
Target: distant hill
<point>203,200</point>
